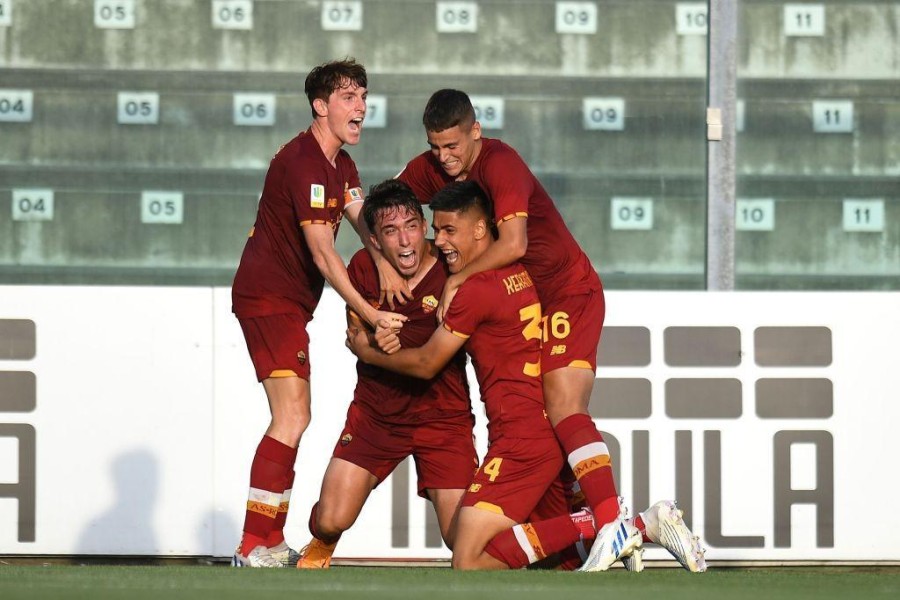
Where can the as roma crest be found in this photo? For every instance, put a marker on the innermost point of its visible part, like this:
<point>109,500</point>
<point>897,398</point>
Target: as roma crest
<point>429,304</point>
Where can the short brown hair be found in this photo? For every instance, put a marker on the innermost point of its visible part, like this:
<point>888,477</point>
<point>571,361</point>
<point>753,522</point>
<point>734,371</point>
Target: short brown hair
<point>448,108</point>
<point>462,196</point>
<point>387,195</point>
<point>323,80</point>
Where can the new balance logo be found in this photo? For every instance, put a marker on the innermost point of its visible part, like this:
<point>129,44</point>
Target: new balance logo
<point>558,349</point>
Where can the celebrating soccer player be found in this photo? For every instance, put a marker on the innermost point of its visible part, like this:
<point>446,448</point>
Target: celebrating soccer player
<point>310,186</point>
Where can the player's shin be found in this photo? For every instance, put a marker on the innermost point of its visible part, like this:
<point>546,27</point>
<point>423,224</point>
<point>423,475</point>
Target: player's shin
<point>267,480</point>
<point>589,459</point>
<point>529,543</point>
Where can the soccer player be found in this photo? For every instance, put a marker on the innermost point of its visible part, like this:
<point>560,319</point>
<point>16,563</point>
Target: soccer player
<point>393,416</point>
<point>310,186</point>
<point>533,232</point>
<point>496,315</point>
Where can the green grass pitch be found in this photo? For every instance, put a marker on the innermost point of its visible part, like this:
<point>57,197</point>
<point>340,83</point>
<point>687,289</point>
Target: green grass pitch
<point>221,583</point>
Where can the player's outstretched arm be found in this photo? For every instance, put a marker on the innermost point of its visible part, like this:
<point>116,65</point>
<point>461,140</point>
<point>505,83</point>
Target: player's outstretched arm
<point>509,247</point>
<point>423,362</point>
<point>393,286</point>
<point>320,239</point>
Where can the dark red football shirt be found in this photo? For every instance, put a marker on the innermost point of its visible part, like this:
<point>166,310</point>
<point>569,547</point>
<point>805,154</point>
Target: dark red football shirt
<point>277,274</point>
<point>395,398</point>
<point>499,314</point>
<point>554,259</point>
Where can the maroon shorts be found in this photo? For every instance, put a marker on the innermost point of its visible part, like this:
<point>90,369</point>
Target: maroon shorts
<point>278,345</point>
<point>573,325</point>
<point>443,449</point>
<point>519,477</point>
<point>553,503</point>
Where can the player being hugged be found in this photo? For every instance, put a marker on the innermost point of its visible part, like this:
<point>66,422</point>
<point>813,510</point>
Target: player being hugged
<point>395,416</point>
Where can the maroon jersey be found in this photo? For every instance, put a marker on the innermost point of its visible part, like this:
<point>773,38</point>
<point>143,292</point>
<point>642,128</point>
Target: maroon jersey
<point>277,274</point>
<point>554,259</point>
<point>499,313</point>
<point>395,398</point>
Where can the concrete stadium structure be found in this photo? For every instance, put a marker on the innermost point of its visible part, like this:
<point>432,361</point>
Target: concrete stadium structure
<point>612,115</point>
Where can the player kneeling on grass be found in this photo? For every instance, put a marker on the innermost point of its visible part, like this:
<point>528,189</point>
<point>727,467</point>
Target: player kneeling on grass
<point>496,316</point>
<point>394,416</point>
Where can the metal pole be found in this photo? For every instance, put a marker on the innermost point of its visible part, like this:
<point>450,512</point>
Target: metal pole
<point>720,144</point>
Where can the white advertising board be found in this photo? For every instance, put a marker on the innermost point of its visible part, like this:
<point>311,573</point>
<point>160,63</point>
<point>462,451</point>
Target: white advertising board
<point>144,414</point>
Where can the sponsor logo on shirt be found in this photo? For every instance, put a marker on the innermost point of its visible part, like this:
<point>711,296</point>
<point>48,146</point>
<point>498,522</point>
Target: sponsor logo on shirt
<point>317,195</point>
<point>332,203</point>
<point>429,303</point>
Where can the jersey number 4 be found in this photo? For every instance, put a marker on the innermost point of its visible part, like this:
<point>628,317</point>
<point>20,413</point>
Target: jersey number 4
<point>492,469</point>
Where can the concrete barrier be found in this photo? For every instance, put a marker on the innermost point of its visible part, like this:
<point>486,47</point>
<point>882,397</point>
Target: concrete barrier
<point>640,38</point>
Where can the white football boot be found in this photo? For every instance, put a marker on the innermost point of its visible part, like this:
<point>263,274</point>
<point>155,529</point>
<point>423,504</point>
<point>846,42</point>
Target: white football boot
<point>616,540</point>
<point>634,561</point>
<point>286,555</point>
<point>666,527</point>
<point>259,557</point>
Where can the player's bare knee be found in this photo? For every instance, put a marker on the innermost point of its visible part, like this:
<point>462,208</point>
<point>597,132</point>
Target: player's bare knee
<point>294,419</point>
<point>332,523</point>
<point>559,410</point>
<point>465,562</point>
<point>448,540</point>
<point>559,406</point>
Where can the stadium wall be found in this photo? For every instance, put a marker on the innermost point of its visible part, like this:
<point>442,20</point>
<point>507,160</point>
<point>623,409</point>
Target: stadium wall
<point>128,419</point>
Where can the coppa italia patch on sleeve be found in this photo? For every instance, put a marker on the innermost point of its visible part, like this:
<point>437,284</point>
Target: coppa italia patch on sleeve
<point>317,195</point>
<point>354,195</point>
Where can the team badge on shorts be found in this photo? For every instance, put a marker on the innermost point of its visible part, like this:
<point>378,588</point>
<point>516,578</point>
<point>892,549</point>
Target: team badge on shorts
<point>346,439</point>
<point>301,357</point>
<point>429,303</point>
